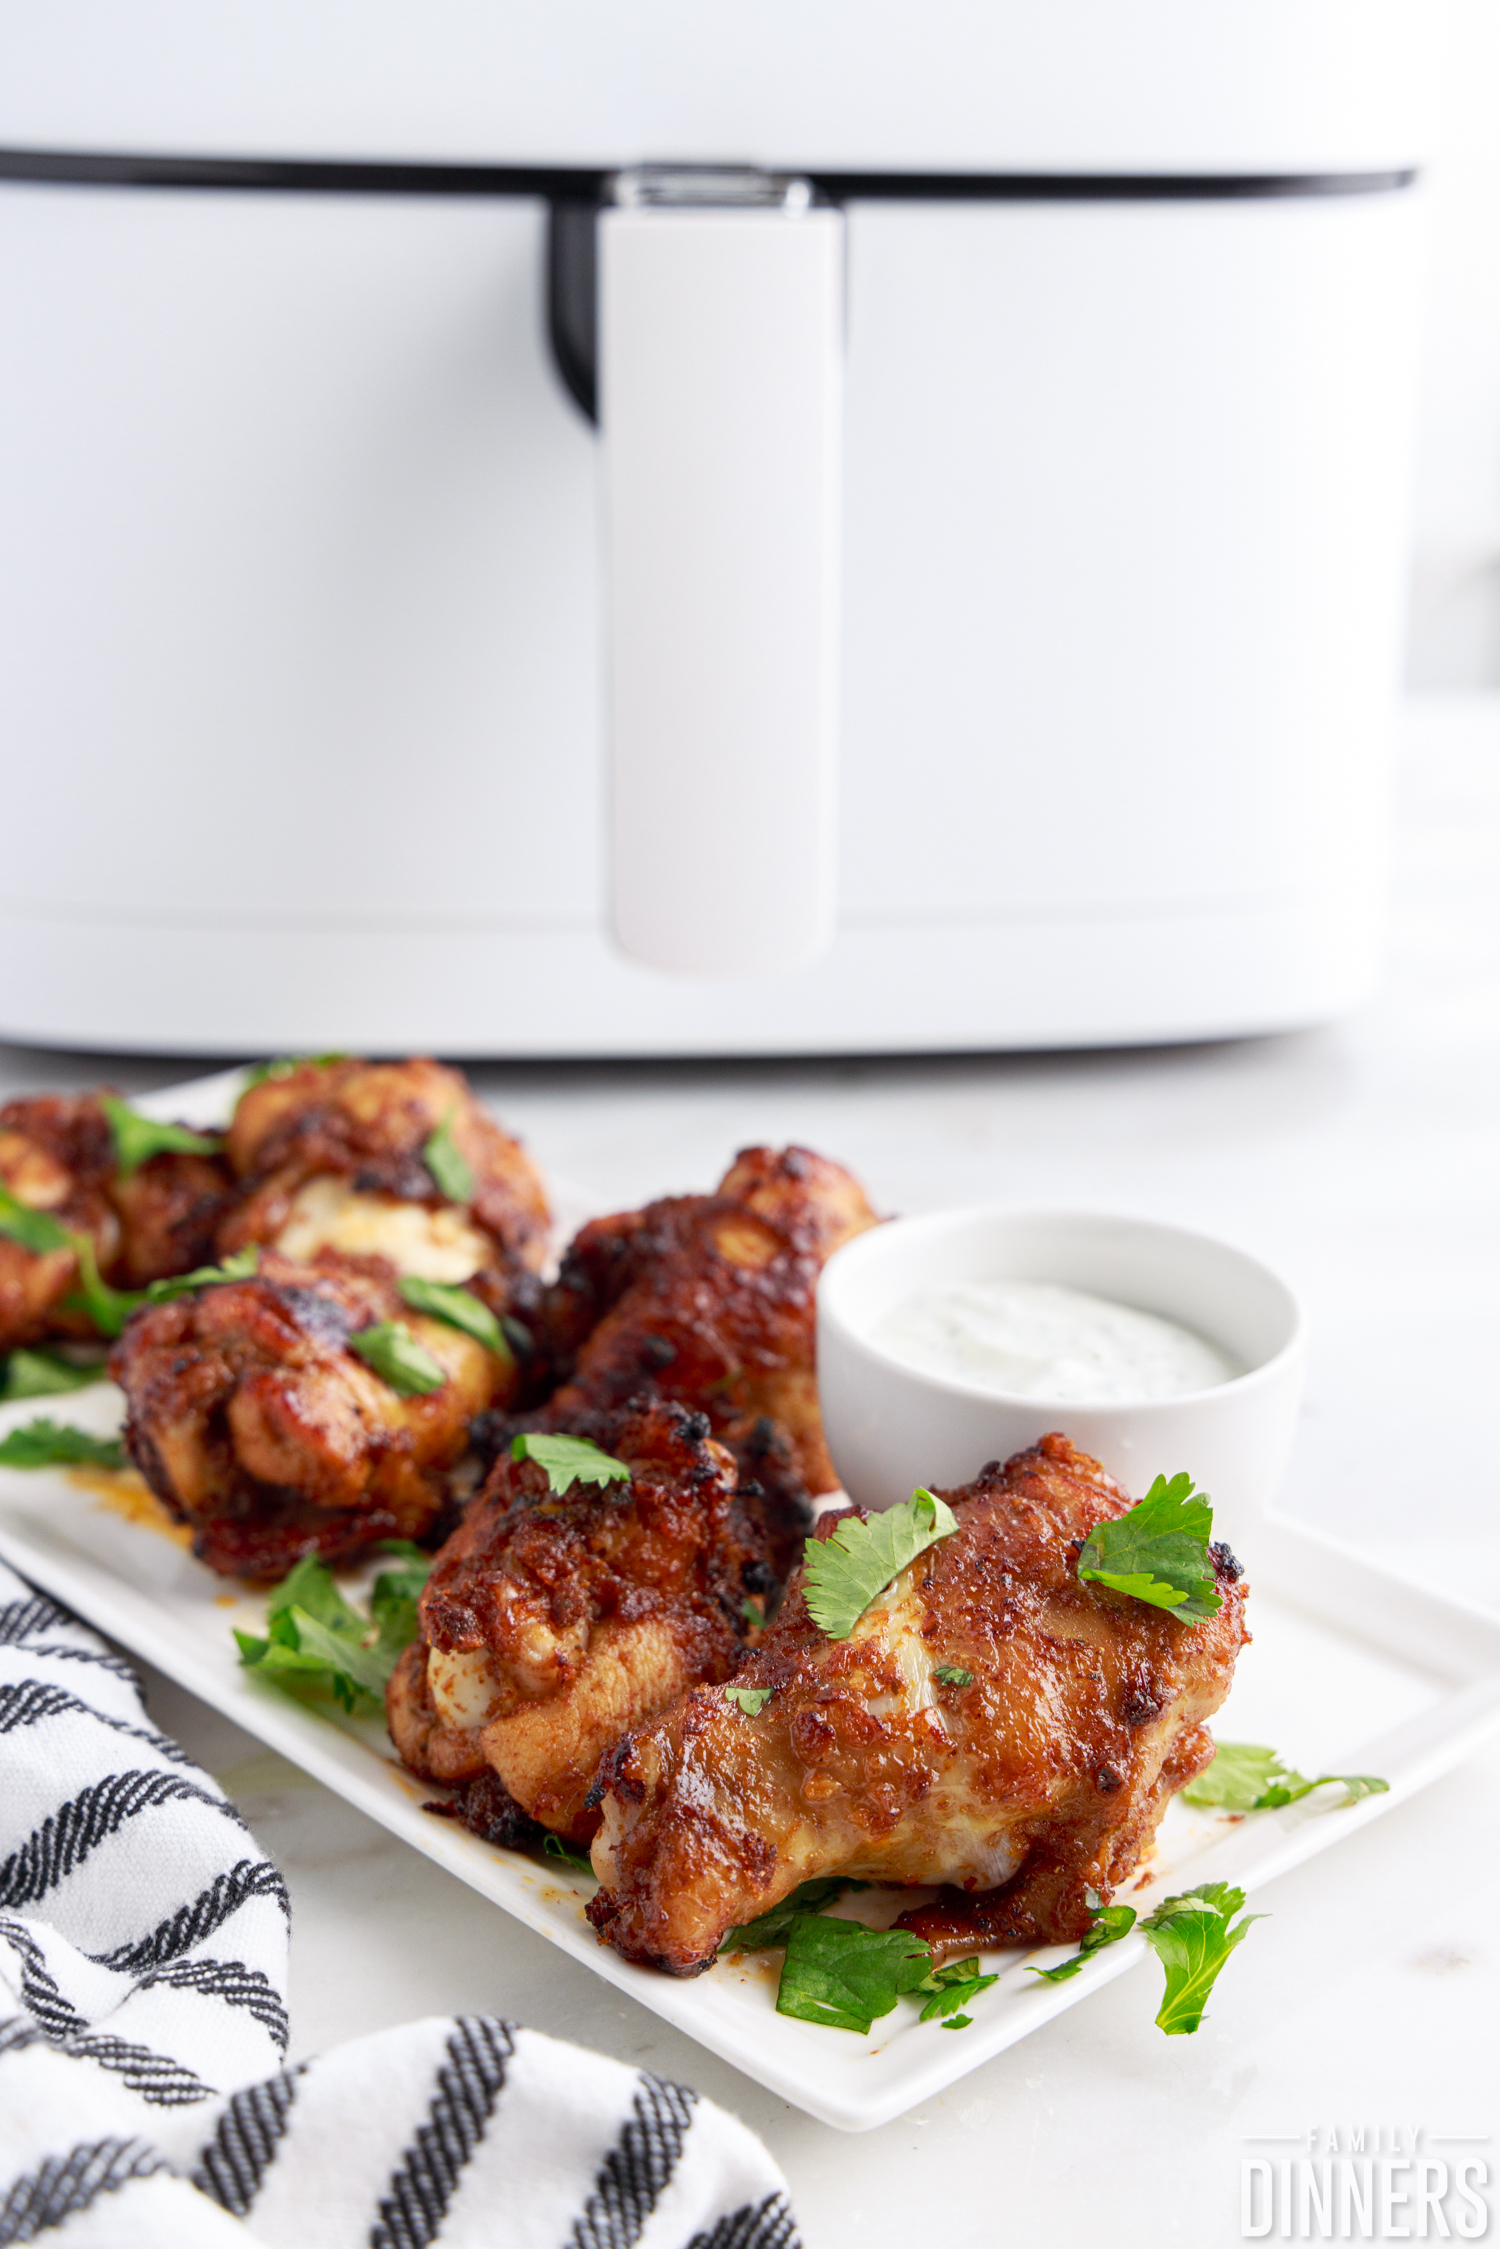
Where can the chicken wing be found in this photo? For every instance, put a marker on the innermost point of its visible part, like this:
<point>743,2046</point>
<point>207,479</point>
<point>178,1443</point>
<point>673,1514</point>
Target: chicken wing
<point>57,1155</point>
<point>709,1299</point>
<point>340,1155</point>
<point>551,1623</point>
<point>1034,1770</point>
<point>249,1414</point>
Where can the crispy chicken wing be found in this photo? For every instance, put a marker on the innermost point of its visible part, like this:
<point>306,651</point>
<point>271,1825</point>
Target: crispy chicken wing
<point>250,1416</point>
<point>57,1155</point>
<point>551,1624</point>
<point>709,1299</point>
<point>1041,1778</point>
<point>337,1155</point>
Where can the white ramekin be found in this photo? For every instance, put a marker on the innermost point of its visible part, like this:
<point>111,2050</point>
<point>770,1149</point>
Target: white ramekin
<point>891,1427</point>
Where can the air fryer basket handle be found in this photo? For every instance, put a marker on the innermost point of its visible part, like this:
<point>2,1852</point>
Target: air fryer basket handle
<point>720,368</point>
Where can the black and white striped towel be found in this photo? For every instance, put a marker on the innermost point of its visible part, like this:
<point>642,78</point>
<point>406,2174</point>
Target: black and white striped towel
<point>143,2105</point>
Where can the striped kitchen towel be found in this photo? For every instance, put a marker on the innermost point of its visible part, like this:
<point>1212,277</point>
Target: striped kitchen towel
<point>143,2105</point>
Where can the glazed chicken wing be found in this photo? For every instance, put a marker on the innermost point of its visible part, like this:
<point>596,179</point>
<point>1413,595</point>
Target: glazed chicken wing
<point>709,1299</point>
<point>251,1417</point>
<point>552,1623</point>
<point>1038,1778</point>
<point>57,1155</point>
<point>340,1156</point>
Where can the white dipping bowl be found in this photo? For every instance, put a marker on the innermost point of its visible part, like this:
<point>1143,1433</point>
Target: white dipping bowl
<point>891,1427</point>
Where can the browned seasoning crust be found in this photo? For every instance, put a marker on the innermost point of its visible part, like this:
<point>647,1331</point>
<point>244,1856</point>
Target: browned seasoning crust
<point>248,1414</point>
<point>710,1300</point>
<point>1043,1779</point>
<point>57,1155</point>
<point>551,1623</point>
<point>368,1123</point>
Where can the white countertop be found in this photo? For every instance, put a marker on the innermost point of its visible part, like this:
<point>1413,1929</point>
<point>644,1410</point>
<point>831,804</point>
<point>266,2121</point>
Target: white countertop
<point>1364,1162</point>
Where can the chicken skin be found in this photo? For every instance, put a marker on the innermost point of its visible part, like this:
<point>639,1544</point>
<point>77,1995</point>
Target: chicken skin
<point>57,1155</point>
<point>1036,1778</point>
<point>249,1414</point>
<point>340,1156</point>
<point>709,1299</point>
<point>553,1622</point>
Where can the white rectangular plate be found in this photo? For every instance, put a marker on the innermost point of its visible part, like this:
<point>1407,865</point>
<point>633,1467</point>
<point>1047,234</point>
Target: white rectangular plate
<point>1350,1671</point>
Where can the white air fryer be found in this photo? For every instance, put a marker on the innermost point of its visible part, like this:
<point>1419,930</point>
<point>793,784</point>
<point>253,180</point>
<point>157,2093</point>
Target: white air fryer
<point>604,527</point>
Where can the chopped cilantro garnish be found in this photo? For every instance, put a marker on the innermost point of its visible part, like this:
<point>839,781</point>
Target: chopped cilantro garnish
<point>752,1700</point>
<point>45,1372</point>
<point>568,1460</point>
<point>137,1138</point>
<point>1247,1777</point>
<point>953,1675</point>
<point>398,1358</point>
<point>55,1444</point>
<point>771,1928</point>
<point>41,1233</point>
<point>1110,1923</point>
<point>36,1230</point>
<point>844,1573</point>
<point>553,1847</point>
<point>457,1308</point>
<point>449,1166</point>
<point>242,1266</point>
<point>844,1975</point>
<point>953,1988</point>
<point>1192,1937</point>
<point>257,1073</point>
<point>316,1639</point>
<point>1158,1552</point>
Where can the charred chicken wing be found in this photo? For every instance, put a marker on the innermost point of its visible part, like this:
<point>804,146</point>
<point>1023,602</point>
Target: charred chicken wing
<point>552,1623</point>
<point>709,1299</point>
<point>388,1159</point>
<point>1035,1771</point>
<point>57,1156</point>
<point>250,1414</point>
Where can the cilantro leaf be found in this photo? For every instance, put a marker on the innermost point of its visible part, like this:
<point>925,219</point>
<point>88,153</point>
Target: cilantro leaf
<point>1193,1938</point>
<point>137,1138</point>
<point>752,1700</point>
<point>242,1266</point>
<point>317,1639</point>
<point>772,1928</point>
<point>457,1308</point>
<point>1110,1923</point>
<point>953,1675</point>
<point>568,1460</point>
<point>1245,1776</point>
<point>45,1372</point>
<point>1158,1552</point>
<point>36,1230</point>
<point>553,1847</point>
<point>844,1975</point>
<point>41,1233</point>
<point>449,1166</point>
<point>55,1444</point>
<point>953,1988</point>
<point>398,1358</point>
<point>843,1574</point>
<point>258,1073</point>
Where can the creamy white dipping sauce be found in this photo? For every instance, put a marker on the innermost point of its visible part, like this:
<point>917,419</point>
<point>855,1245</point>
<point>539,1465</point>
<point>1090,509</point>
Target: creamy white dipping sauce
<point>1034,1339</point>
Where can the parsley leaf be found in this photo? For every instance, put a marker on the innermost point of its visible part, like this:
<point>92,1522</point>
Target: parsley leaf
<point>771,1928</point>
<point>568,1460</point>
<point>844,1975</point>
<point>752,1700</point>
<point>955,1987</point>
<point>36,1230</point>
<point>457,1308</point>
<point>398,1358</point>
<point>242,1266</point>
<point>1192,1937</point>
<point>316,1639</point>
<point>553,1847</point>
<point>54,1444</point>
<point>45,1372</point>
<point>1158,1552</point>
<point>137,1139</point>
<point>1247,1777</point>
<point>1110,1923</point>
<point>448,1164</point>
<point>41,1233</point>
<point>843,1574</point>
<point>953,1675</point>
